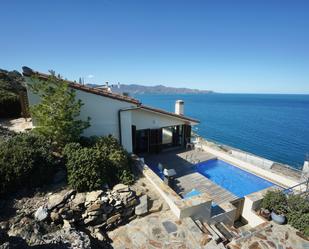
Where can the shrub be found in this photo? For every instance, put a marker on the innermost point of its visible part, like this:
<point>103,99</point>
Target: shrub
<point>276,201</point>
<point>126,177</point>
<point>295,207</point>
<point>86,168</point>
<point>96,162</point>
<point>26,161</point>
<point>299,221</point>
<point>296,203</point>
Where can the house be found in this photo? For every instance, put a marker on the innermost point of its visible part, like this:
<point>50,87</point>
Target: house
<point>139,128</point>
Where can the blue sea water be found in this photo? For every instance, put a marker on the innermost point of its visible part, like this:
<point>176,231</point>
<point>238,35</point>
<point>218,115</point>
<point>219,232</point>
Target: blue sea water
<point>269,125</point>
<point>232,178</point>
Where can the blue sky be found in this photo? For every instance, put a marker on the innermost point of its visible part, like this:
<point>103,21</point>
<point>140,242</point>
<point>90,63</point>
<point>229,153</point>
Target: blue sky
<point>227,46</point>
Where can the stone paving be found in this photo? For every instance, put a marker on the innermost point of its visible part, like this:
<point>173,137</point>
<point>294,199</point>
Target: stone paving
<point>271,236</point>
<point>159,230</point>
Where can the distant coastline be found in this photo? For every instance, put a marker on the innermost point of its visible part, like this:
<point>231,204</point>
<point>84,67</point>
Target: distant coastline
<point>158,89</point>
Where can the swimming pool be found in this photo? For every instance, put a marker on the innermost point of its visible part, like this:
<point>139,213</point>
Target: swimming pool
<point>233,179</point>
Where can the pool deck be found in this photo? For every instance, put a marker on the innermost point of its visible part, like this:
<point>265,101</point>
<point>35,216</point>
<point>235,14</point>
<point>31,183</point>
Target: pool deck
<point>186,178</point>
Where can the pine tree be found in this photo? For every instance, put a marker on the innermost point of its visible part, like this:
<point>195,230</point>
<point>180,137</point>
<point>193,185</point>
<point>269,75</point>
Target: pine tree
<point>56,116</point>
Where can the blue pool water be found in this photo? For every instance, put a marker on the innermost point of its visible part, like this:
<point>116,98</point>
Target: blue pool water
<point>233,179</point>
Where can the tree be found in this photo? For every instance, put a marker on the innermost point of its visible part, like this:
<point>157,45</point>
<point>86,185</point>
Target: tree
<point>11,84</point>
<point>56,116</point>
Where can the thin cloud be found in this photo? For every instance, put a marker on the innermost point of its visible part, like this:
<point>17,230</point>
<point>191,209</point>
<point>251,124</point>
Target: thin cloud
<point>90,76</point>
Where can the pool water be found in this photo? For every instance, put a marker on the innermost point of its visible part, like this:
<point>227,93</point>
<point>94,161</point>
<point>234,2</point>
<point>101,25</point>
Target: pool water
<point>233,179</point>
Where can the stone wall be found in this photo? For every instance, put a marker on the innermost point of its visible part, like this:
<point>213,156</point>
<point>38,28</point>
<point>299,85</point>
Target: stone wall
<point>70,217</point>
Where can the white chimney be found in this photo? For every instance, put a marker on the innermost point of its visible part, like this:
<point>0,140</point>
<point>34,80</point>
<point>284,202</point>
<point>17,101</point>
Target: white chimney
<point>179,107</point>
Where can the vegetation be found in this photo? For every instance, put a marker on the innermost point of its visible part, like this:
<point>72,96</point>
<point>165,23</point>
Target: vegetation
<point>295,207</point>
<point>56,116</point>
<point>298,213</point>
<point>26,161</point>
<point>275,201</point>
<point>97,162</point>
<point>85,167</point>
<point>299,221</point>
<point>11,83</point>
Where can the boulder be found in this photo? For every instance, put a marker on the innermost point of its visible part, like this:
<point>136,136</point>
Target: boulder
<point>93,196</point>
<point>117,203</point>
<point>104,199</point>
<point>55,217</point>
<point>94,207</point>
<point>56,200</point>
<point>99,235</point>
<point>142,207</point>
<point>41,214</point>
<point>89,219</point>
<point>113,218</point>
<point>78,200</point>
<point>121,188</point>
<point>95,213</point>
<point>66,224</point>
<point>156,206</point>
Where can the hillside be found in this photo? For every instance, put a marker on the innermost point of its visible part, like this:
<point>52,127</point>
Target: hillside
<point>158,89</point>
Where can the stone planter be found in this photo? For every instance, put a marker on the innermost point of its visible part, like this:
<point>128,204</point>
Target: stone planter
<point>278,218</point>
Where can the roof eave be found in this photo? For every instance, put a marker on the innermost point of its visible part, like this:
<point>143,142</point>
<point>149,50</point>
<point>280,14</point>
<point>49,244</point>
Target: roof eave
<point>191,120</point>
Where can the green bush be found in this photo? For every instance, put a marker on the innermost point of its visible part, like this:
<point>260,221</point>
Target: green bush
<point>26,161</point>
<point>296,203</point>
<point>96,161</point>
<point>86,168</point>
<point>295,207</point>
<point>299,221</point>
<point>126,177</point>
<point>276,201</point>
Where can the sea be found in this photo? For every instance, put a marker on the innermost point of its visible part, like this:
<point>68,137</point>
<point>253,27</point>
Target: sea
<point>273,126</point>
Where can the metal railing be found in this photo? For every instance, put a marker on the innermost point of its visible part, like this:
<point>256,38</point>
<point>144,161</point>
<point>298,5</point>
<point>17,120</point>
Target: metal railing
<point>299,189</point>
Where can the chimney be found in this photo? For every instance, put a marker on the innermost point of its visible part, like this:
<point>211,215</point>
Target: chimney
<point>179,107</point>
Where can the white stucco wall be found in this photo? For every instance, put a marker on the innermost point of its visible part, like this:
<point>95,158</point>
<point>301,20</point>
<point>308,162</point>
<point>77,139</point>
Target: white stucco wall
<point>103,112</point>
<point>126,130</point>
<point>144,119</point>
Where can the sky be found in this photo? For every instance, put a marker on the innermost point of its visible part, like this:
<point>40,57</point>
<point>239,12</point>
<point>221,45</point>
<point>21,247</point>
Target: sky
<point>232,46</point>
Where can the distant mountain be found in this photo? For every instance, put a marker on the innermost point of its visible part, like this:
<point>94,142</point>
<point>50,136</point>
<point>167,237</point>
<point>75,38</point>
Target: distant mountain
<point>159,89</point>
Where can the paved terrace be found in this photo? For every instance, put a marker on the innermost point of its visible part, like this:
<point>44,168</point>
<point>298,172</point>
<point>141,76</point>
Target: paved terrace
<point>187,179</point>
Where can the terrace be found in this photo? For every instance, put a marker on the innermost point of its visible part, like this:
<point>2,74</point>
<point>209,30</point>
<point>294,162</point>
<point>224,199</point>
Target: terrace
<point>186,178</point>
<point>211,184</point>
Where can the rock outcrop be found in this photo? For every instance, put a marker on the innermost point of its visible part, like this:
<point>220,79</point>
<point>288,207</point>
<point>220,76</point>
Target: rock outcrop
<point>74,219</point>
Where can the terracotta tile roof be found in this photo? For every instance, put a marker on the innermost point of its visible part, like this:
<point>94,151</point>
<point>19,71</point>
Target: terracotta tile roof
<point>29,72</point>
